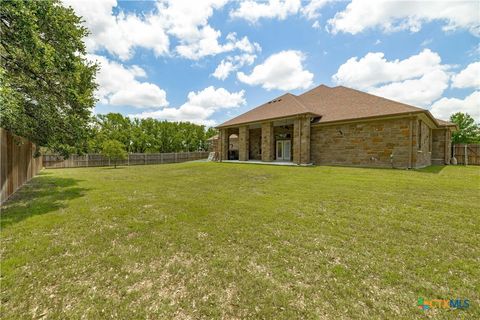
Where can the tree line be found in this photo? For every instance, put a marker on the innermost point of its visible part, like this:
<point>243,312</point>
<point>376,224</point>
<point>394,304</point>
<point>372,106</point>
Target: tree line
<point>147,135</point>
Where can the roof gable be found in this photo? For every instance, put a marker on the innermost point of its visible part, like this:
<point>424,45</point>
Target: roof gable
<point>280,107</point>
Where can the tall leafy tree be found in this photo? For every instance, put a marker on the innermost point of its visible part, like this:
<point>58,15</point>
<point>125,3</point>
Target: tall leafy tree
<point>47,85</point>
<point>469,131</point>
<point>148,135</point>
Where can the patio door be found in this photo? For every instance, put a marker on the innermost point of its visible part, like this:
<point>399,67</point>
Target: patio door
<point>283,150</point>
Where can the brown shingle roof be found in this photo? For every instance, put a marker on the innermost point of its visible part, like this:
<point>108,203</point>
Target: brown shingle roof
<point>286,105</point>
<point>332,104</point>
<point>341,103</point>
<point>444,123</point>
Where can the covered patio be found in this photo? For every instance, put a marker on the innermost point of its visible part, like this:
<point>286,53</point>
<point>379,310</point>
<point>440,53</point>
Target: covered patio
<point>283,141</point>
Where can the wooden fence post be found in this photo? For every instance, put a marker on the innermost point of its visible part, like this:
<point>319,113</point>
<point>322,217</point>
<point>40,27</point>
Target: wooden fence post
<point>175,161</point>
<point>87,160</point>
<point>466,156</point>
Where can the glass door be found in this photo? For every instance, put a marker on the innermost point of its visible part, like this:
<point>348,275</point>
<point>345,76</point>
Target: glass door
<point>279,149</point>
<point>286,150</point>
<point>283,151</point>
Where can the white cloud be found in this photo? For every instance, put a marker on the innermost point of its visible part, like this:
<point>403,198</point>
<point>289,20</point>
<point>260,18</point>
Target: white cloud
<point>230,64</point>
<point>374,69</point>
<point>392,16</point>
<point>185,20</point>
<point>120,34</point>
<point>426,42</point>
<point>253,11</point>
<point>188,22</point>
<point>208,45</point>
<point>316,25</point>
<point>224,69</point>
<point>418,92</point>
<point>119,85</point>
<point>419,79</point>
<point>468,77</point>
<point>199,106</point>
<point>283,71</point>
<point>445,107</point>
<point>311,9</point>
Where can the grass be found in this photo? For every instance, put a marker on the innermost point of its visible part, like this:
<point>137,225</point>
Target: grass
<point>209,240</point>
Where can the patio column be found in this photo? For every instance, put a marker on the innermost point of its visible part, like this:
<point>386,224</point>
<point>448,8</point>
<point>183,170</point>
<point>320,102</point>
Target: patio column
<point>243,143</point>
<point>301,140</point>
<point>223,144</point>
<point>268,146</point>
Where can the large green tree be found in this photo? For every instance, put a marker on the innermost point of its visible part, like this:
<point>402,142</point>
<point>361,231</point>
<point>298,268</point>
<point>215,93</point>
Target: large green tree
<point>47,85</point>
<point>469,131</point>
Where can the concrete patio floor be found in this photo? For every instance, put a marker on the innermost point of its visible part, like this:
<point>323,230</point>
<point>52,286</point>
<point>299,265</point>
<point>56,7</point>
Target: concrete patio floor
<point>274,163</point>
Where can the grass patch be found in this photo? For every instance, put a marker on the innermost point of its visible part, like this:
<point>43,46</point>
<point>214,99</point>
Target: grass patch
<point>209,240</point>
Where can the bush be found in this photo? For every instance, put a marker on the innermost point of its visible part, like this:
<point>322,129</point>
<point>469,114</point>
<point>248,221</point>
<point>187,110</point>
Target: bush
<point>114,150</point>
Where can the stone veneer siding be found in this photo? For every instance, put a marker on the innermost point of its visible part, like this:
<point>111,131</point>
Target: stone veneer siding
<point>422,156</point>
<point>302,140</point>
<point>243,143</point>
<point>441,146</point>
<point>268,142</point>
<point>255,144</point>
<point>367,144</point>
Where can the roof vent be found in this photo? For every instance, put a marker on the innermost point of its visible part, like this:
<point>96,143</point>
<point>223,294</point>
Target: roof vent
<point>275,100</point>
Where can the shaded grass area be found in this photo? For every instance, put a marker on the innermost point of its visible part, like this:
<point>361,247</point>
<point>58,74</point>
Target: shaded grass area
<point>209,240</point>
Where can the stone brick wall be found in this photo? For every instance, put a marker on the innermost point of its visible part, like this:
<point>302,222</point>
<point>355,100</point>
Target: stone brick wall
<point>422,156</point>
<point>268,143</point>
<point>243,143</point>
<point>441,146</point>
<point>255,144</point>
<point>302,140</point>
<point>362,144</point>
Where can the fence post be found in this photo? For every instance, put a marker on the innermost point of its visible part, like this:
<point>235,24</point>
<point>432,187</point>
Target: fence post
<point>144,158</point>
<point>87,160</point>
<point>128,159</point>
<point>161,157</point>
<point>466,156</point>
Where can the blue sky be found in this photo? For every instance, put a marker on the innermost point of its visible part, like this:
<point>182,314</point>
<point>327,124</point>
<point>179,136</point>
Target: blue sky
<point>207,61</point>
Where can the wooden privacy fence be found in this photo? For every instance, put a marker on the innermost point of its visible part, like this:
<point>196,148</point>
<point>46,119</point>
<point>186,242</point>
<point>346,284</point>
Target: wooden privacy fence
<point>467,154</point>
<point>97,160</point>
<point>17,164</point>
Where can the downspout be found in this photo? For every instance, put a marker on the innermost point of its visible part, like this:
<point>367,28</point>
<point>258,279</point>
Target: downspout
<point>411,144</point>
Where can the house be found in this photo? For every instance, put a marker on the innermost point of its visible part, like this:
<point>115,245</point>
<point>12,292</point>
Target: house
<point>338,126</point>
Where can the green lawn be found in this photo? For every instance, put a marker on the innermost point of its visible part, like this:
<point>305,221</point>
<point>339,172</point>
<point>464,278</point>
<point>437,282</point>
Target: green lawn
<point>209,240</point>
